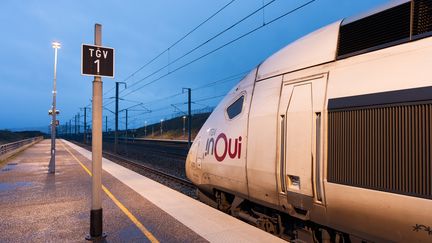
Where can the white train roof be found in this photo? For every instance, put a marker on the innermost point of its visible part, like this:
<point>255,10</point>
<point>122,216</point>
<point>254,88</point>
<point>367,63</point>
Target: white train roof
<point>313,49</point>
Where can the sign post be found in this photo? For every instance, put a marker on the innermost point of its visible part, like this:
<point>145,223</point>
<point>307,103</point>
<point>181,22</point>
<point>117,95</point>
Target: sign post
<point>97,61</point>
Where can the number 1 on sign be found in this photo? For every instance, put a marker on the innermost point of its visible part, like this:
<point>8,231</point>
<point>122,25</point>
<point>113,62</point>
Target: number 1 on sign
<point>97,62</point>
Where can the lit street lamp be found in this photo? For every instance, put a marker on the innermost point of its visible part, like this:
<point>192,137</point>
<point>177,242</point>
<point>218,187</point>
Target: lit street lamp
<point>184,122</point>
<point>161,130</point>
<point>51,169</point>
<point>145,129</point>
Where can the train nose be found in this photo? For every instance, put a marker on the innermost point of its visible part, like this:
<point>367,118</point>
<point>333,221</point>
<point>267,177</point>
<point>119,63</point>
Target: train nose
<point>191,159</point>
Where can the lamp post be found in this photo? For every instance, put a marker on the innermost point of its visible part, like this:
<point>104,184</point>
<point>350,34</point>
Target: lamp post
<point>51,169</point>
<point>116,114</point>
<point>126,125</point>
<point>145,129</point>
<point>189,90</point>
<point>184,122</point>
<point>161,130</point>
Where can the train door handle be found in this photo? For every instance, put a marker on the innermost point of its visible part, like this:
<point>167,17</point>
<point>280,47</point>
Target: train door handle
<point>293,182</point>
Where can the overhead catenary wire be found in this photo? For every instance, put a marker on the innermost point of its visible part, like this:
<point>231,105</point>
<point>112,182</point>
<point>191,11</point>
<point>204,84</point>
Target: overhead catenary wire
<point>106,92</point>
<point>181,103</point>
<point>203,43</point>
<point>222,46</point>
<point>157,115</point>
<point>204,86</point>
<point>133,106</point>
<point>171,46</point>
<point>210,98</point>
<point>179,40</point>
<point>203,99</point>
<point>163,115</point>
<point>132,101</point>
<point>207,85</point>
<point>223,80</point>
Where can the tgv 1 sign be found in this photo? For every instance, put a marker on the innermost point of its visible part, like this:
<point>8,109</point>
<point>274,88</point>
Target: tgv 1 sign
<point>97,61</point>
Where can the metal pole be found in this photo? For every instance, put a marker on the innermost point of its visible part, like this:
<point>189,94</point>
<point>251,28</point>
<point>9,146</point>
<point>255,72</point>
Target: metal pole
<point>51,167</point>
<point>145,129</point>
<point>184,126</point>
<point>75,126</point>
<point>96,204</point>
<point>85,124</point>
<point>126,124</point>
<point>116,118</point>
<point>161,128</point>
<point>189,117</point>
<point>79,120</point>
<point>106,123</point>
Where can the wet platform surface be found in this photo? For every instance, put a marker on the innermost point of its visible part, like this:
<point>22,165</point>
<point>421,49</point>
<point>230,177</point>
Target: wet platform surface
<point>39,207</point>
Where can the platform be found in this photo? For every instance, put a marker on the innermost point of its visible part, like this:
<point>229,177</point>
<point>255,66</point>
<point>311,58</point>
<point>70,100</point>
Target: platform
<point>41,207</point>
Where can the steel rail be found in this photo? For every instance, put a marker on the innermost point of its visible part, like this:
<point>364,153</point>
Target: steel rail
<point>151,170</point>
<point>155,147</point>
<point>121,159</point>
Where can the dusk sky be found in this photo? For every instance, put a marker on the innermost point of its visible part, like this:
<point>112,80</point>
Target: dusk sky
<point>139,31</point>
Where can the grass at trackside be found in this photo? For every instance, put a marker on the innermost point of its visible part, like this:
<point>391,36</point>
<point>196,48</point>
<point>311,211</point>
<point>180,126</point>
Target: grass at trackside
<point>171,128</point>
<point>171,134</point>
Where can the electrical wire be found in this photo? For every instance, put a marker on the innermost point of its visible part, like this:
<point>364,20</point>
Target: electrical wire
<point>221,81</point>
<point>214,50</point>
<point>210,84</point>
<point>203,43</point>
<point>179,40</point>
<point>222,46</point>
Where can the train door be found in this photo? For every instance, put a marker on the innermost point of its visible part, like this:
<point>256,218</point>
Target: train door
<point>300,171</point>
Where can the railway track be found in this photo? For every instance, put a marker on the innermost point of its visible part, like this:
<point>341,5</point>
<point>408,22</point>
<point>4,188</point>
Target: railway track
<point>122,159</point>
<point>173,150</point>
<point>180,184</point>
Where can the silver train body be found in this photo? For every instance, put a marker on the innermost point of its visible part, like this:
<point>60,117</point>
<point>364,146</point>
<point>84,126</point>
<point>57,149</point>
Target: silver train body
<point>330,139</point>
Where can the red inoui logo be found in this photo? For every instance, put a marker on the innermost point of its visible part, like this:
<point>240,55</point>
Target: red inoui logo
<point>223,146</point>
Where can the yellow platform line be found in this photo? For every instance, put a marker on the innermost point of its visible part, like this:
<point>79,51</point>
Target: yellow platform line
<point>138,224</point>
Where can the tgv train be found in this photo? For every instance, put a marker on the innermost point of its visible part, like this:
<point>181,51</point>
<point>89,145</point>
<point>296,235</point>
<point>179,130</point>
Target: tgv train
<point>330,139</point>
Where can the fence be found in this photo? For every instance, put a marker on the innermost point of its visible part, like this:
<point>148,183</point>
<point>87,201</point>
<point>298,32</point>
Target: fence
<point>9,149</point>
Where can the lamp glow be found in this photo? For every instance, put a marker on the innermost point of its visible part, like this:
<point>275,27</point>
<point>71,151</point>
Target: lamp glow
<point>56,45</point>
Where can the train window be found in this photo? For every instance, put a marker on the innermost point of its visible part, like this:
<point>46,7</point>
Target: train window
<point>235,108</point>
